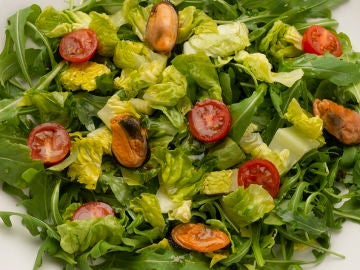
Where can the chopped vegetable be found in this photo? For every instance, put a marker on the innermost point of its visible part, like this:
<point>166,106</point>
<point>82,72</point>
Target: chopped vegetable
<point>78,46</point>
<point>209,120</point>
<point>82,76</point>
<point>49,142</point>
<point>204,120</point>
<point>319,40</point>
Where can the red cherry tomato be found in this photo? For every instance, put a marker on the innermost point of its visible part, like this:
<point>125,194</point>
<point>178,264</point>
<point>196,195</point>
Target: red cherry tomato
<point>92,210</point>
<point>78,46</point>
<point>49,142</point>
<point>318,40</point>
<point>209,120</point>
<point>261,172</point>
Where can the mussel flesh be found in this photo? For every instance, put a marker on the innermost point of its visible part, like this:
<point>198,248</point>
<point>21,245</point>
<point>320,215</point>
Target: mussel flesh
<point>129,140</point>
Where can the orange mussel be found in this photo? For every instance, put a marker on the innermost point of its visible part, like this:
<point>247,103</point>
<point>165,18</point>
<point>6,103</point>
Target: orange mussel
<point>199,237</point>
<point>129,140</point>
<point>343,123</point>
<point>162,27</point>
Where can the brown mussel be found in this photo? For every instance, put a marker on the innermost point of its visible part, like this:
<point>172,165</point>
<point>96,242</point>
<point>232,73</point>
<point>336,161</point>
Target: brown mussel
<point>162,27</point>
<point>129,141</point>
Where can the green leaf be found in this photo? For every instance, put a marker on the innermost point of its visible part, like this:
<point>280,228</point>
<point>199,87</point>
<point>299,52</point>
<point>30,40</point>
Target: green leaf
<point>242,112</point>
<point>326,67</point>
<point>16,27</point>
<point>14,161</point>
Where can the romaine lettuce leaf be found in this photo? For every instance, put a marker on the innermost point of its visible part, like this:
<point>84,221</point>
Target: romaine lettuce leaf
<point>86,169</point>
<point>199,71</point>
<point>148,205</point>
<point>231,38</point>
<point>261,68</point>
<point>282,41</point>
<point>253,144</point>
<point>79,235</point>
<point>106,33</point>
<point>194,21</point>
<point>169,90</point>
<point>218,182</point>
<point>246,205</point>
<point>54,23</point>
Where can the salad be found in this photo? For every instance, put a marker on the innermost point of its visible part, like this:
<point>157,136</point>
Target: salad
<point>128,178</point>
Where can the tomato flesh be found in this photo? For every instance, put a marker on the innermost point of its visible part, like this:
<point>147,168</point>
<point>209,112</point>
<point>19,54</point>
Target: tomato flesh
<point>318,40</point>
<point>261,172</point>
<point>93,210</point>
<point>209,120</point>
<point>49,142</point>
<point>78,46</point>
<point>199,237</point>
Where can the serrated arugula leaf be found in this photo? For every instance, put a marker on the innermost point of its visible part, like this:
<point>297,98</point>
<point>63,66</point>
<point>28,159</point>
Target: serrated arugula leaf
<point>326,67</point>
<point>242,112</point>
<point>15,160</point>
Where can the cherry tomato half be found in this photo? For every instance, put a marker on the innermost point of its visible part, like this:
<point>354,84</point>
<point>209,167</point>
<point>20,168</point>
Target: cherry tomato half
<point>199,237</point>
<point>318,40</point>
<point>78,46</point>
<point>93,210</point>
<point>261,172</point>
<point>49,142</point>
<point>209,120</point>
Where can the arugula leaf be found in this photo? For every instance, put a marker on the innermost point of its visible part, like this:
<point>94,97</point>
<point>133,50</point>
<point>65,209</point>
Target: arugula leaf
<point>16,28</point>
<point>15,160</point>
<point>242,112</point>
<point>326,67</point>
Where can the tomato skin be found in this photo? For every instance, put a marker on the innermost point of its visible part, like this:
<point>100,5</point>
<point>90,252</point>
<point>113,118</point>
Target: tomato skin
<point>209,120</point>
<point>49,142</point>
<point>262,172</point>
<point>93,210</point>
<point>78,46</point>
<point>318,40</point>
<point>199,237</point>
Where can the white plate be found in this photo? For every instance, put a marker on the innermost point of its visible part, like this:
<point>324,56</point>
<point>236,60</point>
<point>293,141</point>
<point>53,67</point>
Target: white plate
<point>18,249</point>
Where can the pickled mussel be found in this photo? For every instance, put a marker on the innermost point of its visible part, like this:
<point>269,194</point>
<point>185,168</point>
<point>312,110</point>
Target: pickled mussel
<point>162,27</point>
<point>129,140</point>
<point>199,237</point>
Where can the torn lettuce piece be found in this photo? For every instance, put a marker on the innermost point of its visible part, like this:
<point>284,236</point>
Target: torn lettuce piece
<point>226,154</point>
<point>231,38</point>
<point>253,144</point>
<point>194,21</point>
<point>175,210</point>
<point>148,205</point>
<point>86,169</point>
<point>80,235</point>
<point>219,182</point>
<point>132,81</point>
<point>303,136</point>
<point>82,76</point>
<point>103,135</point>
<point>136,15</point>
<point>260,68</point>
<point>282,41</point>
<point>132,55</point>
<point>106,33</point>
<point>199,72</point>
<point>54,23</point>
<point>310,126</point>
<point>247,205</point>
<point>169,90</point>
